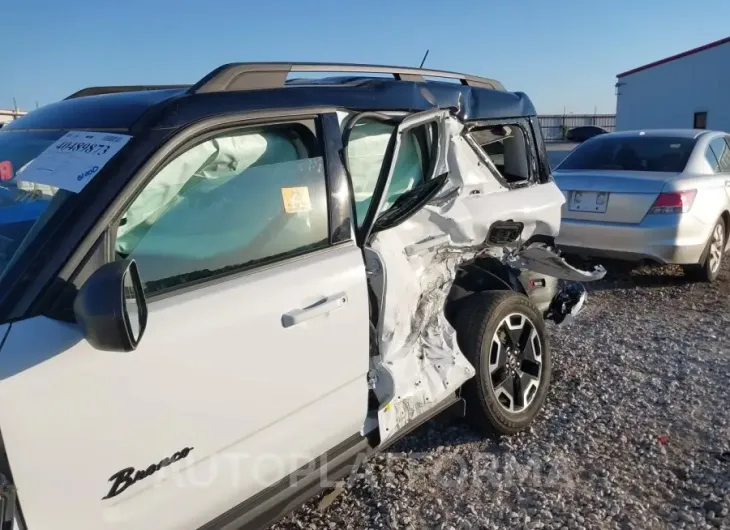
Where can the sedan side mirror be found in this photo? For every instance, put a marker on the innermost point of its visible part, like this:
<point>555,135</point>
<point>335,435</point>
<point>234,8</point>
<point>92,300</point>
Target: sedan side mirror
<point>111,308</point>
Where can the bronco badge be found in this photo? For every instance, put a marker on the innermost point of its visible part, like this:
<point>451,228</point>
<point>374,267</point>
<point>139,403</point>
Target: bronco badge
<point>121,480</point>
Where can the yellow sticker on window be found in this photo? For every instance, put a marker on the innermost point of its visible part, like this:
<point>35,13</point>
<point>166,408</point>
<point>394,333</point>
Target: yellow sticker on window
<point>296,200</point>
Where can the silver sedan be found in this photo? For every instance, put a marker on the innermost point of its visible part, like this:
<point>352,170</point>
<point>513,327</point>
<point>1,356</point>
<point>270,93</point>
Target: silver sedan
<point>656,195</point>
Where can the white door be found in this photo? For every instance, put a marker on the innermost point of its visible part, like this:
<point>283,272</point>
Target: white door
<point>254,361</point>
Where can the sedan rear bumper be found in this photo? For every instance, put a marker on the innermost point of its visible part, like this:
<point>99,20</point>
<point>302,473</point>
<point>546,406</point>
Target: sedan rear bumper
<point>679,239</point>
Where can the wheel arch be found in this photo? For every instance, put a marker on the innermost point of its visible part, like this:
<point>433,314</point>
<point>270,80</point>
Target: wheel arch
<point>480,275</point>
<point>725,216</point>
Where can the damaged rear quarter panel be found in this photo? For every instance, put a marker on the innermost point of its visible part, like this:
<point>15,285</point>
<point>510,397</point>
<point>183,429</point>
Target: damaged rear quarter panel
<point>541,258</point>
<point>412,267</point>
<point>420,363</point>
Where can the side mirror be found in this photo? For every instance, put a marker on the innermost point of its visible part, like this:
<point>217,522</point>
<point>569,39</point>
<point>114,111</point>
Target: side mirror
<point>111,308</point>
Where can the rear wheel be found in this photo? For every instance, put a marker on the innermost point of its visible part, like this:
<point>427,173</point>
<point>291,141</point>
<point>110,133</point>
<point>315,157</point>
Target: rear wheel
<point>709,270</point>
<point>503,335</point>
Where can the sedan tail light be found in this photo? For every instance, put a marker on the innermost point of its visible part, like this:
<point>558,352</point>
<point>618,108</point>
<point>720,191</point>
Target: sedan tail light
<point>674,202</point>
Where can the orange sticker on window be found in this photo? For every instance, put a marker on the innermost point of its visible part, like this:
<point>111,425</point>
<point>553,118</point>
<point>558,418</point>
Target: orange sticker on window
<point>296,200</point>
<point>6,170</point>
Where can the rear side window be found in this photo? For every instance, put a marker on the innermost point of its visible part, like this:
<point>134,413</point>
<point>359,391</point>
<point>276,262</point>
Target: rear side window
<point>631,153</point>
<point>234,202</point>
<point>718,155</point>
<point>508,149</point>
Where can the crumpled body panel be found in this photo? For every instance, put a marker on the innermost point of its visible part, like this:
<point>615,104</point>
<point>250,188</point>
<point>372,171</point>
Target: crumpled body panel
<point>541,258</point>
<point>420,362</point>
<point>413,267</point>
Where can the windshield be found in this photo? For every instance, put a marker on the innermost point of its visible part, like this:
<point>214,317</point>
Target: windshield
<point>631,153</point>
<point>22,203</point>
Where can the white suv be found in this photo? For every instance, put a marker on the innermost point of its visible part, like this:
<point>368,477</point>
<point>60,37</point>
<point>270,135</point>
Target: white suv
<point>218,298</point>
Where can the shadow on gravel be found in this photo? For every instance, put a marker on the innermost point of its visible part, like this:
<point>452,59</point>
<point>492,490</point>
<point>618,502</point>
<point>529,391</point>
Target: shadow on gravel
<point>627,281</point>
<point>625,275</point>
<point>443,430</point>
<point>448,431</point>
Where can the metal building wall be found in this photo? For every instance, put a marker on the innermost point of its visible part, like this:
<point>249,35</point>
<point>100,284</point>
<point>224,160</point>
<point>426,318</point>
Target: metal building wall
<point>10,115</point>
<point>669,94</point>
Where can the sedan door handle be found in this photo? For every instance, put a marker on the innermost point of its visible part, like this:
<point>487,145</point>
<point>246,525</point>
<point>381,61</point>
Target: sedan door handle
<point>727,183</point>
<point>318,309</point>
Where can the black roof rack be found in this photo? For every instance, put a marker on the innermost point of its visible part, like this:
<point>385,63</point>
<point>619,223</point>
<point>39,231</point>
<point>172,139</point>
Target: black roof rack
<point>98,90</point>
<point>253,76</point>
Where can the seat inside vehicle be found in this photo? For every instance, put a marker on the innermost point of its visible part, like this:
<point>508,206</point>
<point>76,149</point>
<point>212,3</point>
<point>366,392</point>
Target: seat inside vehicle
<point>505,145</point>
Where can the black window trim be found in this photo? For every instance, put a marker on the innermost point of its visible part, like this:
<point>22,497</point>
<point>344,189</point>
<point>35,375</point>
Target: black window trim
<point>237,273</point>
<point>347,127</point>
<point>90,253</point>
<point>543,163</point>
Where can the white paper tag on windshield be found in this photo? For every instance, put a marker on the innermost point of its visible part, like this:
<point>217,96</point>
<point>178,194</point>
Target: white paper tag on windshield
<point>72,161</point>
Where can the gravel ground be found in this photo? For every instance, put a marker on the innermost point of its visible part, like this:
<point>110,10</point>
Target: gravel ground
<point>635,433</point>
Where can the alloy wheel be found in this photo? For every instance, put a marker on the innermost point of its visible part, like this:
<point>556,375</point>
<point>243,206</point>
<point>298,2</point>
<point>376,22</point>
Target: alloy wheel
<point>716,243</point>
<point>515,362</point>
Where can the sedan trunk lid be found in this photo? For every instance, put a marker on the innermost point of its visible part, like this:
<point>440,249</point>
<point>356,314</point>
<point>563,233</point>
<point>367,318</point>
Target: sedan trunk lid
<point>609,196</point>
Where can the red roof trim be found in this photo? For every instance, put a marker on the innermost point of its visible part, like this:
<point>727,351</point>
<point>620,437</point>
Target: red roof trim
<point>675,57</point>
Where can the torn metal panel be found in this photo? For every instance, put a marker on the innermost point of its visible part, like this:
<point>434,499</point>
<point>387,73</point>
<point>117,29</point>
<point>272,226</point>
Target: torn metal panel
<point>544,259</point>
<point>420,362</point>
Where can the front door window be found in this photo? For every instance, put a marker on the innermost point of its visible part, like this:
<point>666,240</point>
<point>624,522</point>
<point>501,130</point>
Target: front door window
<point>239,200</point>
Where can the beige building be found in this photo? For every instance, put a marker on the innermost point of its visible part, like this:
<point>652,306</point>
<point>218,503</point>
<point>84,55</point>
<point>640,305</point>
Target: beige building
<point>7,115</point>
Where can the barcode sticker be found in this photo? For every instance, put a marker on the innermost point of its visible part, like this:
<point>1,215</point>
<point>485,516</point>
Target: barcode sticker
<point>73,160</point>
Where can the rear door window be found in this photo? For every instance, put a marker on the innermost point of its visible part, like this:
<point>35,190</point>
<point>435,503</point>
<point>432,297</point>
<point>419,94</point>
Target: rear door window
<point>366,149</point>
<point>394,177</point>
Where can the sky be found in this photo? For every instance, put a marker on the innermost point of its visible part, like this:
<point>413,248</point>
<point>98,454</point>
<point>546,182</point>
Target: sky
<point>564,54</point>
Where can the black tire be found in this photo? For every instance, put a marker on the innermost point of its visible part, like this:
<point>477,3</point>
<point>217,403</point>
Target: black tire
<point>477,321</point>
<point>710,268</point>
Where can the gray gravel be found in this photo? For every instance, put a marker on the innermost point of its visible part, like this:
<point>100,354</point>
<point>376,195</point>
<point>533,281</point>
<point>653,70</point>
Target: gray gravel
<point>635,433</point>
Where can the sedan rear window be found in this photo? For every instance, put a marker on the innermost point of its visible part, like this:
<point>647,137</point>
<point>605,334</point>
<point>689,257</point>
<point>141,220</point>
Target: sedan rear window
<point>632,153</point>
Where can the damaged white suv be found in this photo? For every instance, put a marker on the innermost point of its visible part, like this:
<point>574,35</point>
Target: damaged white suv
<point>215,296</point>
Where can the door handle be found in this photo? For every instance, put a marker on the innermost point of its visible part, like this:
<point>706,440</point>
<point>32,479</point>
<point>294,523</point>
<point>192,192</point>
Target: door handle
<point>318,309</point>
<point>727,183</point>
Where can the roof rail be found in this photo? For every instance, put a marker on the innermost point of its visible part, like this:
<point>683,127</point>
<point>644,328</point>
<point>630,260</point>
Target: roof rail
<point>253,76</point>
<point>98,90</point>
